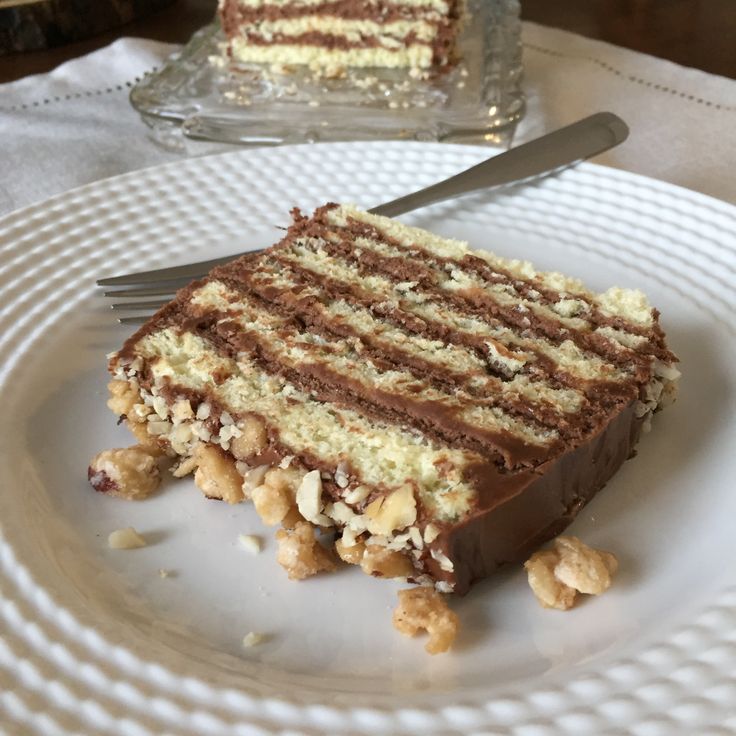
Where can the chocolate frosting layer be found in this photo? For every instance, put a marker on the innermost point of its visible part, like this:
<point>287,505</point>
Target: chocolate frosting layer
<point>519,512</point>
<point>381,11</point>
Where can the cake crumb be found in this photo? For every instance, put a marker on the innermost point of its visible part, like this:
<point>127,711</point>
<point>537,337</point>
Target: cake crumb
<point>163,573</point>
<point>425,608</point>
<point>251,542</point>
<point>556,576</point>
<point>127,538</point>
<point>252,639</point>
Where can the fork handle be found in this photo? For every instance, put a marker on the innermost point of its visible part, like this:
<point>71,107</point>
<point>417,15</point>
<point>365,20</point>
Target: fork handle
<point>544,155</point>
<point>563,147</point>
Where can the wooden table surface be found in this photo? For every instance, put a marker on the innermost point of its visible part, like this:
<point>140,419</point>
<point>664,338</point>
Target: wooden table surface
<point>697,33</point>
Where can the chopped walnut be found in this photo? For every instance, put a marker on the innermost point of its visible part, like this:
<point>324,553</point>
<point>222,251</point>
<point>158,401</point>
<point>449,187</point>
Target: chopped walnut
<point>122,397</point>
<point>139,413</point>
<point>292,518</point>
<point>216,475</point>
<point>397,510</point>
<point>339,512</point>
<point>253,478</point>
<point>272,504</point>
<point>549,591</point>
<point>251,542</point>
<point>342,479</point>
<point>431,532</point>
<point>182,411</point>
<point>127,538</point>
<point>357,495</point>
<point>252,440</point>
<point>444,561</point>
<point>300,554</point>
<point>275,498</point>
<point>253,639</point>
<point>129,472</point>
<point>287,478</point>
<point>581,567</point>
<point>350,553</point>
<point>425,608</point>
<point>180,438</point>
<point>140,432</point>
<point>309,499</point>
<point>556,576</point>
<point>158,428</point>
<point>385,563</point>
<point>184,466</point>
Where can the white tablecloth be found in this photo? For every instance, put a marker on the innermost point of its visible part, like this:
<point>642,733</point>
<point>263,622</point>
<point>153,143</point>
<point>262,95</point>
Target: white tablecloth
<point>75,125</point>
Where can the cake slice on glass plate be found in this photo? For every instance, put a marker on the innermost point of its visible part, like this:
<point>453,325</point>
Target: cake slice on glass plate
<point>418,34</point>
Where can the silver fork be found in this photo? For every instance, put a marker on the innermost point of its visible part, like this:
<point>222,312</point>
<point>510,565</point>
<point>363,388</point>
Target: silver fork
<point>549,153</point>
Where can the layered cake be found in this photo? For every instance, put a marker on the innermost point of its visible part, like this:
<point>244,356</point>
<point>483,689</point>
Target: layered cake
<point>342,33</point>
<point>433,412</point>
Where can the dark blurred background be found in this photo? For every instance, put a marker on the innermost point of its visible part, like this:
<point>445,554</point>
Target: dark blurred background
<point>697,33</point>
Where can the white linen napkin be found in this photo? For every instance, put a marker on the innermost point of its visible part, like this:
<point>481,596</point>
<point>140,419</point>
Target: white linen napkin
<point>75,124</point>
<point>683,121</point>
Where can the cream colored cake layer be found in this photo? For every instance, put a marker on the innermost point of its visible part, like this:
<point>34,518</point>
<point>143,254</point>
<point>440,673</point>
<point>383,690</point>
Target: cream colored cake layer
<point>383,455</point>
<point>629,304</point>
<point>415,56</point>
<point>456,359</point>
<point>453,358</point>
<point>351,30</point>
<point>502,293</point>
<point>298,350</point>
<point>583,365</point>
<point>633,303</point>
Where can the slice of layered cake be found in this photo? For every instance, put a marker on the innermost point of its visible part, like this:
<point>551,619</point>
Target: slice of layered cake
<point>439,411</point>
<point>342,33</point>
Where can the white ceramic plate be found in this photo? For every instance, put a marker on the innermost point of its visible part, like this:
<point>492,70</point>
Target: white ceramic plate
<point>93,640</point>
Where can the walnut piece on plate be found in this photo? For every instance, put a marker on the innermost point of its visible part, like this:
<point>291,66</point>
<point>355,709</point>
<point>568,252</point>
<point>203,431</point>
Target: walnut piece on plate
<point>127,538</point>
<point>556,576</point>
<point>425,609</point>
<point>127,472</point>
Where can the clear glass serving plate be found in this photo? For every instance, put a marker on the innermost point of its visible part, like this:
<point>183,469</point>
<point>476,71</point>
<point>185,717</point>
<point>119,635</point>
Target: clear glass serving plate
<point>212,98</point>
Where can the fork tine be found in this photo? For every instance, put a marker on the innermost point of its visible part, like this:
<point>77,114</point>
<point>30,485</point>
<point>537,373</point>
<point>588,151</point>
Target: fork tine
<point>169,289</point>
<point>130,306</point>
<point>138,320</point>
<point>159,275</point>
